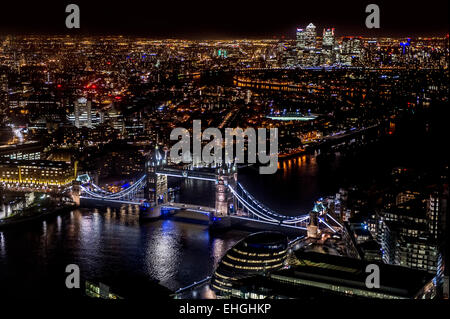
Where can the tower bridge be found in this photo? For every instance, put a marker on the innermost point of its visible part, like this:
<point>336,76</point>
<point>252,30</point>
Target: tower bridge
<point>233,203</point>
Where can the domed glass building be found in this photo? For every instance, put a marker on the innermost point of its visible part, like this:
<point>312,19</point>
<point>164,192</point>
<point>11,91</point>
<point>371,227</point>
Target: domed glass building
<point>256,254</point>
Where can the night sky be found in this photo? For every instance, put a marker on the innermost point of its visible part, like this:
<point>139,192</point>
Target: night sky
<point>224,18</point>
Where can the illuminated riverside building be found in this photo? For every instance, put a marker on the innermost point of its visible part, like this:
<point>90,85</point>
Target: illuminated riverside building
<point>100,290</point>
<point>256,254</point>
<point>128,287</point>
<point>421,252</point>
<point>409,233</point>
<point>36,175</point>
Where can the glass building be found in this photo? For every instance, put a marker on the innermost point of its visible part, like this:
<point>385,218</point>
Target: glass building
<point>258,253</point>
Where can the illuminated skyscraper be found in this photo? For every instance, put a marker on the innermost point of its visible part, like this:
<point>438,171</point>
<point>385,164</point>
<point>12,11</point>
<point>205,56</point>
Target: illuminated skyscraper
<point>351,45</point>
<point>300,39</point>
<point>328,45</point>
<point>436,208</point>
<point>83,113</point>
<point>328,39</point>
<point>76,112</point>
<point>310,37</point>
<point>89,114</point>
<point>306,45</point>
<point>350,50</point>
<point>3,92</point>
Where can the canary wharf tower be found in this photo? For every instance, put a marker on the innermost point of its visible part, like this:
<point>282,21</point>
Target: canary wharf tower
<point>310,37</point>
<point>306,38</point>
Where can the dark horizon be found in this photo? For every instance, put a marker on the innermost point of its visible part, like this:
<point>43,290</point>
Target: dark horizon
<point>231,20</point>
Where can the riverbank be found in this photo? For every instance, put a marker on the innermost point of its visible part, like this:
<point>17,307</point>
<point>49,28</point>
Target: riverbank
<point>34,215</point>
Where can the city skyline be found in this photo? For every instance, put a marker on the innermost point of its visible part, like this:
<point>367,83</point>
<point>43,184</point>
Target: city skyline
<point>308,167</point>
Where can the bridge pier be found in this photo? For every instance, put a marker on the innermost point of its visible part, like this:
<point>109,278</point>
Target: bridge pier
<point>151,213</point>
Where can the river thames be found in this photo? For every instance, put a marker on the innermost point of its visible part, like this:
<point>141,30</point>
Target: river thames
<point>108,242</point>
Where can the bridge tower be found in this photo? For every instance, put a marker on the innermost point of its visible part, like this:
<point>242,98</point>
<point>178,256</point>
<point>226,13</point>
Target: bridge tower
<point>225,201</point>
<point>313,226</point>
<point>222,197</point>
<point>75,192</point>
<point>156,187</point>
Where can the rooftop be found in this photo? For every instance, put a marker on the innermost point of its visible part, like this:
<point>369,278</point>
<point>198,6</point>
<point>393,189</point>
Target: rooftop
<point>351,272</point>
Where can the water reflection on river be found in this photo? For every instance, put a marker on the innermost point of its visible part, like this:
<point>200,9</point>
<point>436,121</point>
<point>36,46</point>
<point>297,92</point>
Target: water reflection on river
<point>111,241</point>
<point>108,242</point>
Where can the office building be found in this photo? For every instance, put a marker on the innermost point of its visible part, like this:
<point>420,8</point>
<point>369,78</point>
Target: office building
<point>301,39</point>
<point>310,37</point>
<point>409,233</point>
<point>328,39</point>
<point>256,254</point>
<point>36,174</point>
<point>317,276</point>
<point>82,113</point>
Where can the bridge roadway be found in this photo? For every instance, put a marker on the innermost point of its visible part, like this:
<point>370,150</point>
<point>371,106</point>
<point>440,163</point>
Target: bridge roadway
<point>118,201</point>
<point>256,212</point>
<point>205,210</point>
<point>191,174</point>
<point>177,206</point>
<point>189,207</point>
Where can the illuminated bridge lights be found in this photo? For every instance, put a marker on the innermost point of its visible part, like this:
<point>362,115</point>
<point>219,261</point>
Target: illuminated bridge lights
<point>326,224</point>
<point>263,212</point>
<point>256,211</point>
<point>103,195</point>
